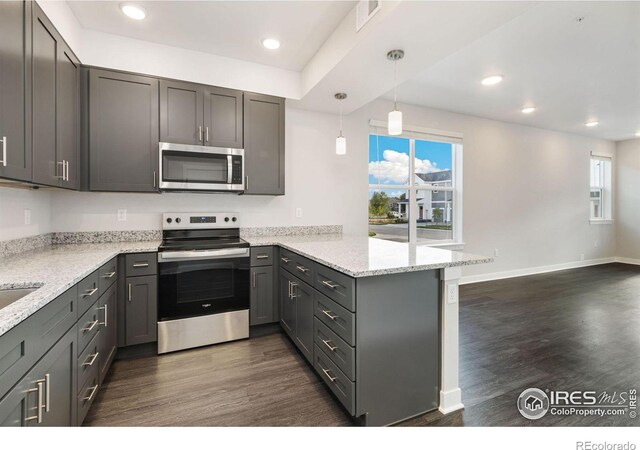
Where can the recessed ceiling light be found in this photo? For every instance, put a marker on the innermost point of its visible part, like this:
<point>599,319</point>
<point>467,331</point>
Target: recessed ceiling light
<point>271,44</point>
<point>133,11</point>
<point>493,79</point>
<point>528,109</point>
<point>593,123</point>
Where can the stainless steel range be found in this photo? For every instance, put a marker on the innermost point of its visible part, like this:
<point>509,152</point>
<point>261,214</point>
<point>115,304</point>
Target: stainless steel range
<point>203,281</point>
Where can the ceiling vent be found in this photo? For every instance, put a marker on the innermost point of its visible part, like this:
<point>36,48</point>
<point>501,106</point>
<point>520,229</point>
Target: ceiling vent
<point>365,10</point>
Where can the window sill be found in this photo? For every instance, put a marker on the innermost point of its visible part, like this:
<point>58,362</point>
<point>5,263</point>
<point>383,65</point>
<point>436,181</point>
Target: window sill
<point>601,221</point>
<point>446,245</point>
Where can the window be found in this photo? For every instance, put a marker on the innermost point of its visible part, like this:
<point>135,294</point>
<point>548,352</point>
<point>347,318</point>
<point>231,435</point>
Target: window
<point>413,186</point>
<point>600,193</point>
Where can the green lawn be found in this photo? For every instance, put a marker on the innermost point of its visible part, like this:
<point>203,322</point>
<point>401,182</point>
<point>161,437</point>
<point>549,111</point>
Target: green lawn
<point>435,227</point>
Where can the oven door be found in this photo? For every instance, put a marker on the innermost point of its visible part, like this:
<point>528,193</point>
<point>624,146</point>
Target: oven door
<point>199,168</point>
<point>198,285</point>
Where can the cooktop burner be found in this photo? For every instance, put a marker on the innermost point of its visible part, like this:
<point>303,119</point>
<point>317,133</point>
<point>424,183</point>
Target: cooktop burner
<point>200,231</point>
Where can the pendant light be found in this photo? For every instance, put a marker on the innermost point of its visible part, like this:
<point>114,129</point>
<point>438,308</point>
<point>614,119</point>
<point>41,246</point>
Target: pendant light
<point>341,141</point>
<point>395,116</point>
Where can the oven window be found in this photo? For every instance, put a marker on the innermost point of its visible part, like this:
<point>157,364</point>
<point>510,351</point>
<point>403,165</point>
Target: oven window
<point>182,167</point>
<point>196,283</point>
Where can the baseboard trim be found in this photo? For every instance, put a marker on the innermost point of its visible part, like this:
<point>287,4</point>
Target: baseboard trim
<point>635,262</point>
<point>541,269</point>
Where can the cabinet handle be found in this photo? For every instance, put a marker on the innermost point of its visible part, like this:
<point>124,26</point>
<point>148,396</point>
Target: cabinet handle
<point>207,134</point>
<point>328,374</point>
<point>129,292</point>
<point>254,279</point>
<point>90,292</point>
<point>302,269</point>
<point>67,166</point>
<point>154,178</point>
<point>60,163</point>
<point>93,359</point>
<point>40,406</point>
<point>139,265</point>
<point>47,384</point>
<point>328,314</point>
<point>200,133</point>
<point>246,183</point>
<point>289,289</point>
<point>4,151</point>
<point>293,291</point>
<point>262,257</point>
<point>329,284</point>
<point>105,308</point>
<point>90,327</point>
<point>328,344</point>
<point>108,275</point>
<point>285,260</point>
<point>93,390</point>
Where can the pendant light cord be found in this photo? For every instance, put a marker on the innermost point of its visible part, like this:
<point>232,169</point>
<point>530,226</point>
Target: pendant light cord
<point>340,118</point>
<point>395,84</point>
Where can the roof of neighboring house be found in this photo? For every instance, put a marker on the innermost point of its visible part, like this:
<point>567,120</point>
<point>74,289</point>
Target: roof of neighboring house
<point>431,177</point>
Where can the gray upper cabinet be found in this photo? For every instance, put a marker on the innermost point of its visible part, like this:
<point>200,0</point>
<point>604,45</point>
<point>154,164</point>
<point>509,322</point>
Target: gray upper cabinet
<point>123,132</point>
<point>181,113</point>
<point>15,151</point>
<point>68,117</point>
<point>222,117</point>
<point>264,144</point>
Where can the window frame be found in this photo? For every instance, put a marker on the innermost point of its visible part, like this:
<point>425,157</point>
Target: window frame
<point>412,188</point>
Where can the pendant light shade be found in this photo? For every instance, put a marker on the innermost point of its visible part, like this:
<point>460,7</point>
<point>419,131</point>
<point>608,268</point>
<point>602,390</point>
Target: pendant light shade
<point>395,116</point>
<point>341,141</point>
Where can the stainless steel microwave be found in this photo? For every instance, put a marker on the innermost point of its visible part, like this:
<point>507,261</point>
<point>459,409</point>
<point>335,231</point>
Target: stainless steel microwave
<point>200,168</point>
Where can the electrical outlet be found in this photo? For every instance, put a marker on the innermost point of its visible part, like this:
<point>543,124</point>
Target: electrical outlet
<point>452,293</point>
<point>496,252</point>
<point>122,215</point>
<point>298,212</point>
<point>27,217</point>
<point>581,256</point>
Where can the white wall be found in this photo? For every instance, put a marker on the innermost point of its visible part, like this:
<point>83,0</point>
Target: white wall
<point>13,202</point>
<point>627,216</point>
<point>317,181</point>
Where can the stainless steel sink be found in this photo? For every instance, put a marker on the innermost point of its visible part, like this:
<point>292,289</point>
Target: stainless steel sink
<point>8,296</point>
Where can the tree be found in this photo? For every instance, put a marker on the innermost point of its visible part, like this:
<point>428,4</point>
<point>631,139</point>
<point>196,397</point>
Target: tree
<point>379,204</point>
<point>437,215</point>
<point>402,197</point>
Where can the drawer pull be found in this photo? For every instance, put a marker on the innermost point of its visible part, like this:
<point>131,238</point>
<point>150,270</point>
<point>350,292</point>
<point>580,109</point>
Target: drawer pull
<point>285,260</point>
<point>140,265</point>
<point>328,374</point>
<point>328,314</point>
<point>105,308</point>
<point>262,257</point>
<point>108,275</point>
<point>328,344</point>
<point>302,269</point>
<point>293,290</point>
<point>93,390</point>
<point>40,406</point>
<point>90,327</point>
<point>93,359</point>
<point>329,284</point>
<point>90,292</point>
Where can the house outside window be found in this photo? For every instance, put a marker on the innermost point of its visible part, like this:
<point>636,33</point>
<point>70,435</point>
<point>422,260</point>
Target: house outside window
<point>600,194</point>
<point>415,186</point>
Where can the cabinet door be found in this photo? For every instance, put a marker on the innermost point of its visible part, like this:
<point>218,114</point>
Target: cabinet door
<point>57,374</point>
<point>181,113</point>
<point>141,310</point>
<point>287,304</point>
<point>108,337</point>
<point>304,318</point>
<point>45,47</point>
<point>222,117</point>
<point>14,406</point>
<point>68,117</point>
<point>262,304</point>
<point>15,160</point>
<point>123,132</point>
<point>264,144</point>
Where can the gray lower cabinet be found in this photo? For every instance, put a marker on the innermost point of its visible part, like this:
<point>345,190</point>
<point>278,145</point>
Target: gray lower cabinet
<point>108,335</point>
<point>15,21</point>
<point>264,150</point>
<point>262,296</point>
<point>141,310</point>
<point>123,132</point>
<point>297,312</point>
<point>287,304</point>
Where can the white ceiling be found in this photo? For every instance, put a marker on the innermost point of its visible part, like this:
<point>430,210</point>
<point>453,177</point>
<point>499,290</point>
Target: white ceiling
<point>225,28</point>
<point>573,72</point>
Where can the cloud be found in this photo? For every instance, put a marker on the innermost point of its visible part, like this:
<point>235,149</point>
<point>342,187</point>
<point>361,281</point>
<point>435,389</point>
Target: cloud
<point>394,168</point>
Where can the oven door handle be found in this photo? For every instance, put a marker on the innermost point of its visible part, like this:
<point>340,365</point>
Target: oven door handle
<point>193,255</point>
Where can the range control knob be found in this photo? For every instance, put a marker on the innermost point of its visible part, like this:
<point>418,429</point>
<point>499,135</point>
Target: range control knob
<point>169,220</point>
<point>178,220</point>
<point>226,219</point>
<point>234,219</point>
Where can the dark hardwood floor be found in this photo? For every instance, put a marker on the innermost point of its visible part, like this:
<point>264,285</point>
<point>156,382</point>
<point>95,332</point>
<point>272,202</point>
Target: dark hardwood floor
<point>574,329</point>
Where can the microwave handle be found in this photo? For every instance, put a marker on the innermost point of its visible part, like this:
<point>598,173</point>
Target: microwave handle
<point>229,169</point>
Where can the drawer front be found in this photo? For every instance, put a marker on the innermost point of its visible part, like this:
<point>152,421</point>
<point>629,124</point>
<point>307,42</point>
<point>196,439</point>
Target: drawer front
<point>87,393</point>
<point>337,381</point>
<point>261,256</point>
<point>300,266</point>
<point>108,274</point>
<point>139,264</point>
<point>88,292</point>
<point>287,260</point>
<point>334,316</point>
<point>340,353</point>
<point>87,361</point>
<point>337,286</point>
<point>88,327</point>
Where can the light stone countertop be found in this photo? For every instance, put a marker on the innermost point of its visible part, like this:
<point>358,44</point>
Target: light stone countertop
<point>54,270</point>
<point>360,256</point>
